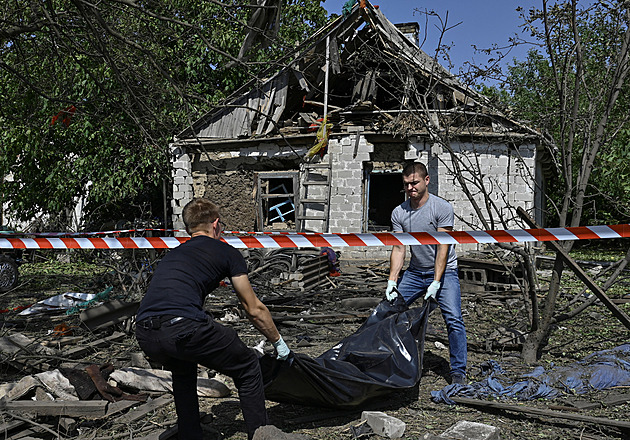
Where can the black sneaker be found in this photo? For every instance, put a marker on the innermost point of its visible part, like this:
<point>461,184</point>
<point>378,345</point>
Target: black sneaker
<point>458,379</point>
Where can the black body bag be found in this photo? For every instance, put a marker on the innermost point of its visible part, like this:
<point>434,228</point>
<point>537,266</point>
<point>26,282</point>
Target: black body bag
<point>382,356</point>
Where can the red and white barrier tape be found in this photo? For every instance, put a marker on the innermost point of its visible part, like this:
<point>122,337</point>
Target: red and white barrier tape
<point>331,240</point>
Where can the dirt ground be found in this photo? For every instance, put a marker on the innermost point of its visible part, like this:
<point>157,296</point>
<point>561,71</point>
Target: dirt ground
<point>312,321</point>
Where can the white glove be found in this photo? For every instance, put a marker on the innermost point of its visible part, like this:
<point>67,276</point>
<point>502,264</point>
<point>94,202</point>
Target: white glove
<point>390,293</point>
<point>432,290</point>
<point>282,351</point>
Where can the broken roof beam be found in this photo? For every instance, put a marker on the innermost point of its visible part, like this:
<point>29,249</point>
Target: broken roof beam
<point>301,80</point>
<point>417,56</point>
<point>281,87</point>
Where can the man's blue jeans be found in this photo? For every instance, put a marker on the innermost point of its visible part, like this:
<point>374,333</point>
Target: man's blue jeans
<point>413,285</point>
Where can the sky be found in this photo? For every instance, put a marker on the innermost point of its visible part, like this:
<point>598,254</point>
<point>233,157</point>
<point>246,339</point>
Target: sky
<point>481,23</point>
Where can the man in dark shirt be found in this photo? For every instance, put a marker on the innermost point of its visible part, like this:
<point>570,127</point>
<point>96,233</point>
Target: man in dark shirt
<point>172,327</point>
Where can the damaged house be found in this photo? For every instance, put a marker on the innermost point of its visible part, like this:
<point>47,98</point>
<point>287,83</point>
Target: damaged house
<point>319,145</point>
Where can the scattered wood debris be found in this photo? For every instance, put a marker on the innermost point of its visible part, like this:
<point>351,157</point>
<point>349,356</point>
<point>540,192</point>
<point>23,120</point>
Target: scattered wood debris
<point>91,380</point>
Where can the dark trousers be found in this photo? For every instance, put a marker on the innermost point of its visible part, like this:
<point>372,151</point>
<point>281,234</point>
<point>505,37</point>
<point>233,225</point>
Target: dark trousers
<point>181,344</point>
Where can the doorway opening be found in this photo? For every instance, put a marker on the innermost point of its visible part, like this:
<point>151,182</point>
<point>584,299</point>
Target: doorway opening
<point>385,192</point>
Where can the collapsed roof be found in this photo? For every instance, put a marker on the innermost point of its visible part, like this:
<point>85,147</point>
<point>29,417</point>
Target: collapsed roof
<point>374,77</point>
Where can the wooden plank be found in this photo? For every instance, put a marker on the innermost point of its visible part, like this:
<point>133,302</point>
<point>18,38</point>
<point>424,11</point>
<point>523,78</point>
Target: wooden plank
<point>583,276</point>
<point>301,80</point>
<point>78,408</point>
<point>541,412</point>
<point>121,405</point>
<point>266,99</point>
<point>143,410</point>
<point>83,350</point>
<point>8,426</point>
<point>162,434</point>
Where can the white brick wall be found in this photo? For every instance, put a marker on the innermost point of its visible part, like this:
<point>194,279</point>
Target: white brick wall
<point>346,198</point>
<point>505,178</point>
<point>182,186</point>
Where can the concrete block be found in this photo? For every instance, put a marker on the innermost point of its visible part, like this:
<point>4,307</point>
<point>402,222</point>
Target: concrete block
<point>383,424</point>
<point>343,224</point>
<point>355,217</point>
<point>464,430</point>
<point>348,157</point>
<point>343,174</point>
<point>346,141</point>
<point>334,148</point>
<point>354,183</point>
<point>411,155</point>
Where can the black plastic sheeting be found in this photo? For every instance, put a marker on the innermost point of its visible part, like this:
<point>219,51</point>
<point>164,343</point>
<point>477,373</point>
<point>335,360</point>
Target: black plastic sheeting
<point>384,355</point>
<point>598,371</point>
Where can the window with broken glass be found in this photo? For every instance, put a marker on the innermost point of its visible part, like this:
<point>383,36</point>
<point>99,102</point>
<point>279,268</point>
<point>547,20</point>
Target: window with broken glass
<point>276,200</point>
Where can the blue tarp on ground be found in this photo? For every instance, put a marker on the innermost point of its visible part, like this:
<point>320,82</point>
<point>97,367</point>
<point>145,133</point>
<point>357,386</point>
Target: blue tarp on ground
<point>597,371</point>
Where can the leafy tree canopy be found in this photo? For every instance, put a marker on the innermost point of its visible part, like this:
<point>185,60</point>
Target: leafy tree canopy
<point>92,92</point>
<point>575,91</point>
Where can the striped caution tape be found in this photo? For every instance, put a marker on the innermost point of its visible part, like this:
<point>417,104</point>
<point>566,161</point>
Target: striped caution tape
<point>331,240</point>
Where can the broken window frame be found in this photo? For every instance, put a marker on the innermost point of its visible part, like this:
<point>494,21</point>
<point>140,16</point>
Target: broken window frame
<point>262,195</point>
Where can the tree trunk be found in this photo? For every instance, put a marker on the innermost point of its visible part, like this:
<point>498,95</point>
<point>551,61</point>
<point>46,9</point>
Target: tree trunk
<point>537,339</point>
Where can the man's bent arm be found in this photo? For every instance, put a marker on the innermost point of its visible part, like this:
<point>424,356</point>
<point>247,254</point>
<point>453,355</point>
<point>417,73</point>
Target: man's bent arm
<point>396,261</point>
<point>441,256</point>
<point>257,312</point>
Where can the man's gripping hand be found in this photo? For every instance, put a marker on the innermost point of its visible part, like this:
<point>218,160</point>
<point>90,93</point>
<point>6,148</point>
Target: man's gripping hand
<point>282,351</point>
<point>432,290</point>
<point>391,292</point>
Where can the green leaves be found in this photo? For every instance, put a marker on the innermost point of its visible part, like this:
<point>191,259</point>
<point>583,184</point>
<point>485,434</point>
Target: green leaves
<point>569,93</point>
<point>137,73</point>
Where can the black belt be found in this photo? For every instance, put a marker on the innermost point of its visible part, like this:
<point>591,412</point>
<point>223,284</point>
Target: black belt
<point>155,322</point>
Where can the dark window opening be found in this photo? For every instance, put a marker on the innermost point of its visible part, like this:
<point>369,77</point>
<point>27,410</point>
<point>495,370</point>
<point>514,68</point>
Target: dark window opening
<point>385,192</point>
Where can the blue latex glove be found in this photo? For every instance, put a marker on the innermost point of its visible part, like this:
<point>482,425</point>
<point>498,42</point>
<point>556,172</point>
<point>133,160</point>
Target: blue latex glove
<point>390,292</point>
<point>282,351</point>
<point>432,290</point>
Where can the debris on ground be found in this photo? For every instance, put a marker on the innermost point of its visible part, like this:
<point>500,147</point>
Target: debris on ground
<point>119,393</point>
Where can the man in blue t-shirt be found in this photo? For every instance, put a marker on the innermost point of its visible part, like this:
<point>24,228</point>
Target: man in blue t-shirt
<point>173,328</point>
<point>433,268</point>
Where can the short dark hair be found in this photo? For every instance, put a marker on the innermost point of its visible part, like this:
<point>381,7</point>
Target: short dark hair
<point>415,167</point>
<point>199,212</point>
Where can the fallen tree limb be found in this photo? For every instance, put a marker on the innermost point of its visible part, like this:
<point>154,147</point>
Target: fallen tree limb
<point>579,272</point>
<point>541,412</point>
